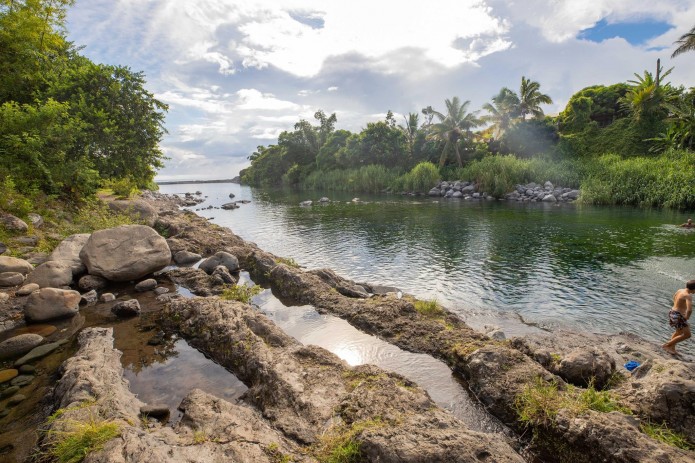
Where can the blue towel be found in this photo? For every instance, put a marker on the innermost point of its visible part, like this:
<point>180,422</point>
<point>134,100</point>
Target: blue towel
<point>631,365</point>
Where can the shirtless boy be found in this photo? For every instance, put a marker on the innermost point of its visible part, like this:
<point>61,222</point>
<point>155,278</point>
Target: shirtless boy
<point>678,316</point>
<point>688,224</point>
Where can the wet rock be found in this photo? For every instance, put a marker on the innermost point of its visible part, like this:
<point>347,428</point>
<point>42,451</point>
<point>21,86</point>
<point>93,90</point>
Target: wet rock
<point>159,412</point>
<point>19,345</point>
<point>51,274</point>
<point>223,274</point>
<point>306,203</point>
<point>186,257</point>
<point>40,329</point>
<point>161,290</point>
<point>16,399</point>
<point>230,206</point>
<point>11,223</point>
<point>129,308</point>
<point>27,289</point>
<point>146,285</point>
<point>137,209</point>
<point>35,219</point>
<point>68,252</point>
<point>345,287</point>
<point>22,380</point>
<point>125,253</point>
<point>220,258</point>
<point>107,297</point>
<point>89,297</point>
<point>27,370</point>
<point>10,391</point>
<point>13,264</point>
<point>549,199</point>
<point>8,375</point>
<point>38,352</point>
<point>90,282</point>
<point>497,335</point>
<point>49,303</point>
<point>581,367</point>
<point>8,279</point>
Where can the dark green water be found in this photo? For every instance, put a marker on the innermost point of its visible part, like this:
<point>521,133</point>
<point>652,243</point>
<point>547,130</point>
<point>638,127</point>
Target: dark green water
<point>589,268</point>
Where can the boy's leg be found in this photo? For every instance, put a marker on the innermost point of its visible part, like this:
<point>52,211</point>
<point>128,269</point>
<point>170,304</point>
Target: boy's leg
<point>681,334</point>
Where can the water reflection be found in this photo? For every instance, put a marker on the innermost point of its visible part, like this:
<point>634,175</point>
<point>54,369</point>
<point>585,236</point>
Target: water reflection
<point>568,265</point>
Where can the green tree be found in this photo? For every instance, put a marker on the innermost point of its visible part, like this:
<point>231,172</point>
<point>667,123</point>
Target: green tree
<point>646,95</point>
<point>453,126</point>
<point>686,43</point>
<point>502,111</point>
<point>530,99</point>
<point>410,131</point>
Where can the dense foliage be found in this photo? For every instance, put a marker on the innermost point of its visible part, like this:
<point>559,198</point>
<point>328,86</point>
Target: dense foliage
<point>627,143</point>
<point>67,124</point>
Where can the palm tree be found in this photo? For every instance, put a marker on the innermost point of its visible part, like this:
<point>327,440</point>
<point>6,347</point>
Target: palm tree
<point>686,43</point>
<point>530,98</point>
<point>503,110</point>
<point>647,95</point>
<point>453,126</point>
<point>410,130</point>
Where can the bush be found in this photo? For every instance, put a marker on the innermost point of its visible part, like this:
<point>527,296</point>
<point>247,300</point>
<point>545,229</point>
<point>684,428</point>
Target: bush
<point>241,293</point>
<point>122,187</point>
<point>430,308</point>
<point>367,179</point>
<point>421,178</point>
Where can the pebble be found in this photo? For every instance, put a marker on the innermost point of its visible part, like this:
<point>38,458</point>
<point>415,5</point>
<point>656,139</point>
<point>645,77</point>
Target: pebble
<point>161,290</point>
<point>146,285</point>
<point>27,370</point>
<point>15,399</point>
<point>10,391</point>
<point>4,297</point>
<point>38,352</point>
<point>22,380</point>
<point>7,375</point>
<point>107,297</point>
<point>27,289</point>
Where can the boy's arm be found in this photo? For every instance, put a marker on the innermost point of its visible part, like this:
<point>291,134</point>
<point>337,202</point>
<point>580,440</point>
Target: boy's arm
<point>688,307</point>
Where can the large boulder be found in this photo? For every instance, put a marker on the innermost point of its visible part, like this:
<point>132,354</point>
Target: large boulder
<point>13,264</point>
<point>124,309</point>
<point>186,257</point>
<point>125,253</point>
<point>220,258</point>
<point>68,252</point>
<point>136,209</point>
<point>585,366</point>
<point>19,345</point>
<point>49,303</point>
<point>92,282</point>
<point>11,279</point>
<point>51,274</point>
<point>12,223</point>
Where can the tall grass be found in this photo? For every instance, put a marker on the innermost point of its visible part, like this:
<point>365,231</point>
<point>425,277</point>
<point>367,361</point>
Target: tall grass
<point>422,178</point>
<point>367,179</point>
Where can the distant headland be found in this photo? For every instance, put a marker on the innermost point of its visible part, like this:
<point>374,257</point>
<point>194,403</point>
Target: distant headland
<point>236,179</point>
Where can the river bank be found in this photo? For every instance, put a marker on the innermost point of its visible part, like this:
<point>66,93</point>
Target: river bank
<point>261,355</point>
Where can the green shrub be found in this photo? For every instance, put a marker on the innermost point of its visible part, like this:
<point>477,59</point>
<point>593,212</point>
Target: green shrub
<point>429,308</point>
<point>367,179</point>
<point>421,178</point>
<point>81,439</point>
<point>122,187</point>
<point>241,293</point>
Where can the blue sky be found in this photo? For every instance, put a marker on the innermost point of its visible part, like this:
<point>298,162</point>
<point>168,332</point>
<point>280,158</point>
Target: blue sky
<point>235,73</point>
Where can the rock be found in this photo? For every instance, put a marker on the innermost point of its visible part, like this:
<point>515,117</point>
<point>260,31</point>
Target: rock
<point>229,206</point>
<point>584,365</point>
<point>223,274</point>
<point>68,252</point>
<point>89,297</point>
<point>90,282</point>
<point>136,209</point>
<point>12,223</point>
<point>22,380</point>
<point>36,258</point>
<point>27,370</point>
<point>469,189</point>
<point>16,399</point>
<point>40,329</point>
<point>125,253</point>
<point>306,203</point>
<point>13,264</point>
<point>129,308</point>
<point>50,303</point>
<point>35,219</point>
<point>38,352</point>
<point>3,248</point>
<point>186,257</point>
<point>10,391</point>
<point>27,289</point>
<point>4,297</point>
<point>324,200</point>
<point>11,279</point>
<point>161,290</point>
<point>548,185</point>
<point>435,192</point>
<point>107,297</point>
<point>497,335</point>
<point>457,194</point>
<point>30,241</point>
<point>231,195</point>
<point>51,274</point>
<point>19,345</point>
<point>8,375</point>
<point>549,199</point>
<point>146,285</point>
<point>160,412</point>
<point>220,258</point>
<point>573,194</point>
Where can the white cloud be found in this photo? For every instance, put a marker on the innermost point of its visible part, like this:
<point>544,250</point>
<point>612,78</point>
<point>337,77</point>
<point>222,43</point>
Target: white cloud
<point>332,89</point>
<point>250,98</point>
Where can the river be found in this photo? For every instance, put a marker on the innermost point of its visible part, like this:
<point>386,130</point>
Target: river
<point>519,266</point>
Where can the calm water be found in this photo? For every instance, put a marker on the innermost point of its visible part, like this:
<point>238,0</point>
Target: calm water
<point>600,269</point>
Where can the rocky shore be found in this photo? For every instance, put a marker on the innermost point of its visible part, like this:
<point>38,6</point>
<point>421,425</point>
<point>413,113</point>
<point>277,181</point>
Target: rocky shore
<point>567,394</point>
<point>531,192</point>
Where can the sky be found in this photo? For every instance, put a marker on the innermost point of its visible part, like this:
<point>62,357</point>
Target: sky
<point>236,73</point>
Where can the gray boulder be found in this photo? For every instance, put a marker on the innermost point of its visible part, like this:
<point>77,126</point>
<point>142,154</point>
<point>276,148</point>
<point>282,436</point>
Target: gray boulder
<point>13,264</point>
<point>90,282</point>
<point>68,252</point>
<point>469,189</point>
<point>549,199</point>
<point>19,345</point>
<point>125,253</point>
<point>129,308</point>
<point>435,192</point>
<point>49,303</point>
<point>230,206</point>
<point>27,289</point>
<point>107,297</point>
<point>12,223</point>
<point>186,257</point>
<point>51,274</point>
<point>35,219</point>
<point>89,297</point>
<point>11,279</point>
<point>137,210</point>
<point>573,194</point>
<point>220,258</point>
<point>146,285</point>
<point>222,273</point>
<point>583,366</point>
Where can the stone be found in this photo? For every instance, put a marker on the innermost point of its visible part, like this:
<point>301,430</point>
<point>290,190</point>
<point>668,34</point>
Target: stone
<point>125,253</point>
<point>137,209</point>
<point>3,248</point>
<point>51,274</point>
<point>16,399</point>
<point>468,189</point>
<point>68,252</point>
<point>12,223</point>
<point>583,366</point>
<point>457,194</point>
<point>9,392</point>
<point>13,264</point>
<point>91,282</point>
<point>40,329</point>
<point>434,192</point>
<point>497,335</point>
<point>19,345</point>
<point>186,257</point>
<point>231,195</point>
<point>324,200</point>
<point>27,370</point>
<point>4,297</point>
<point>38,352</point>
<point>306,203</point>
<point>548,185</point>
<point>35,219</point>
<point>49,303</point>
<point>11,279</point>
<point>27,289</point>
<point>8,375</point>
<point>22,380</point>
<point>223,274</point>
<point>27,240</point>
<point>573,194</point>
<point>161,290</point>
<point>107,297</point>
<point>146,285</point>
<point>160,412</point>
<point>220,258</point>
<point>549,199</point>
<point>129,308</point>
<point>36,258</point>
<point>230,206</point>
<point>89,297</point>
